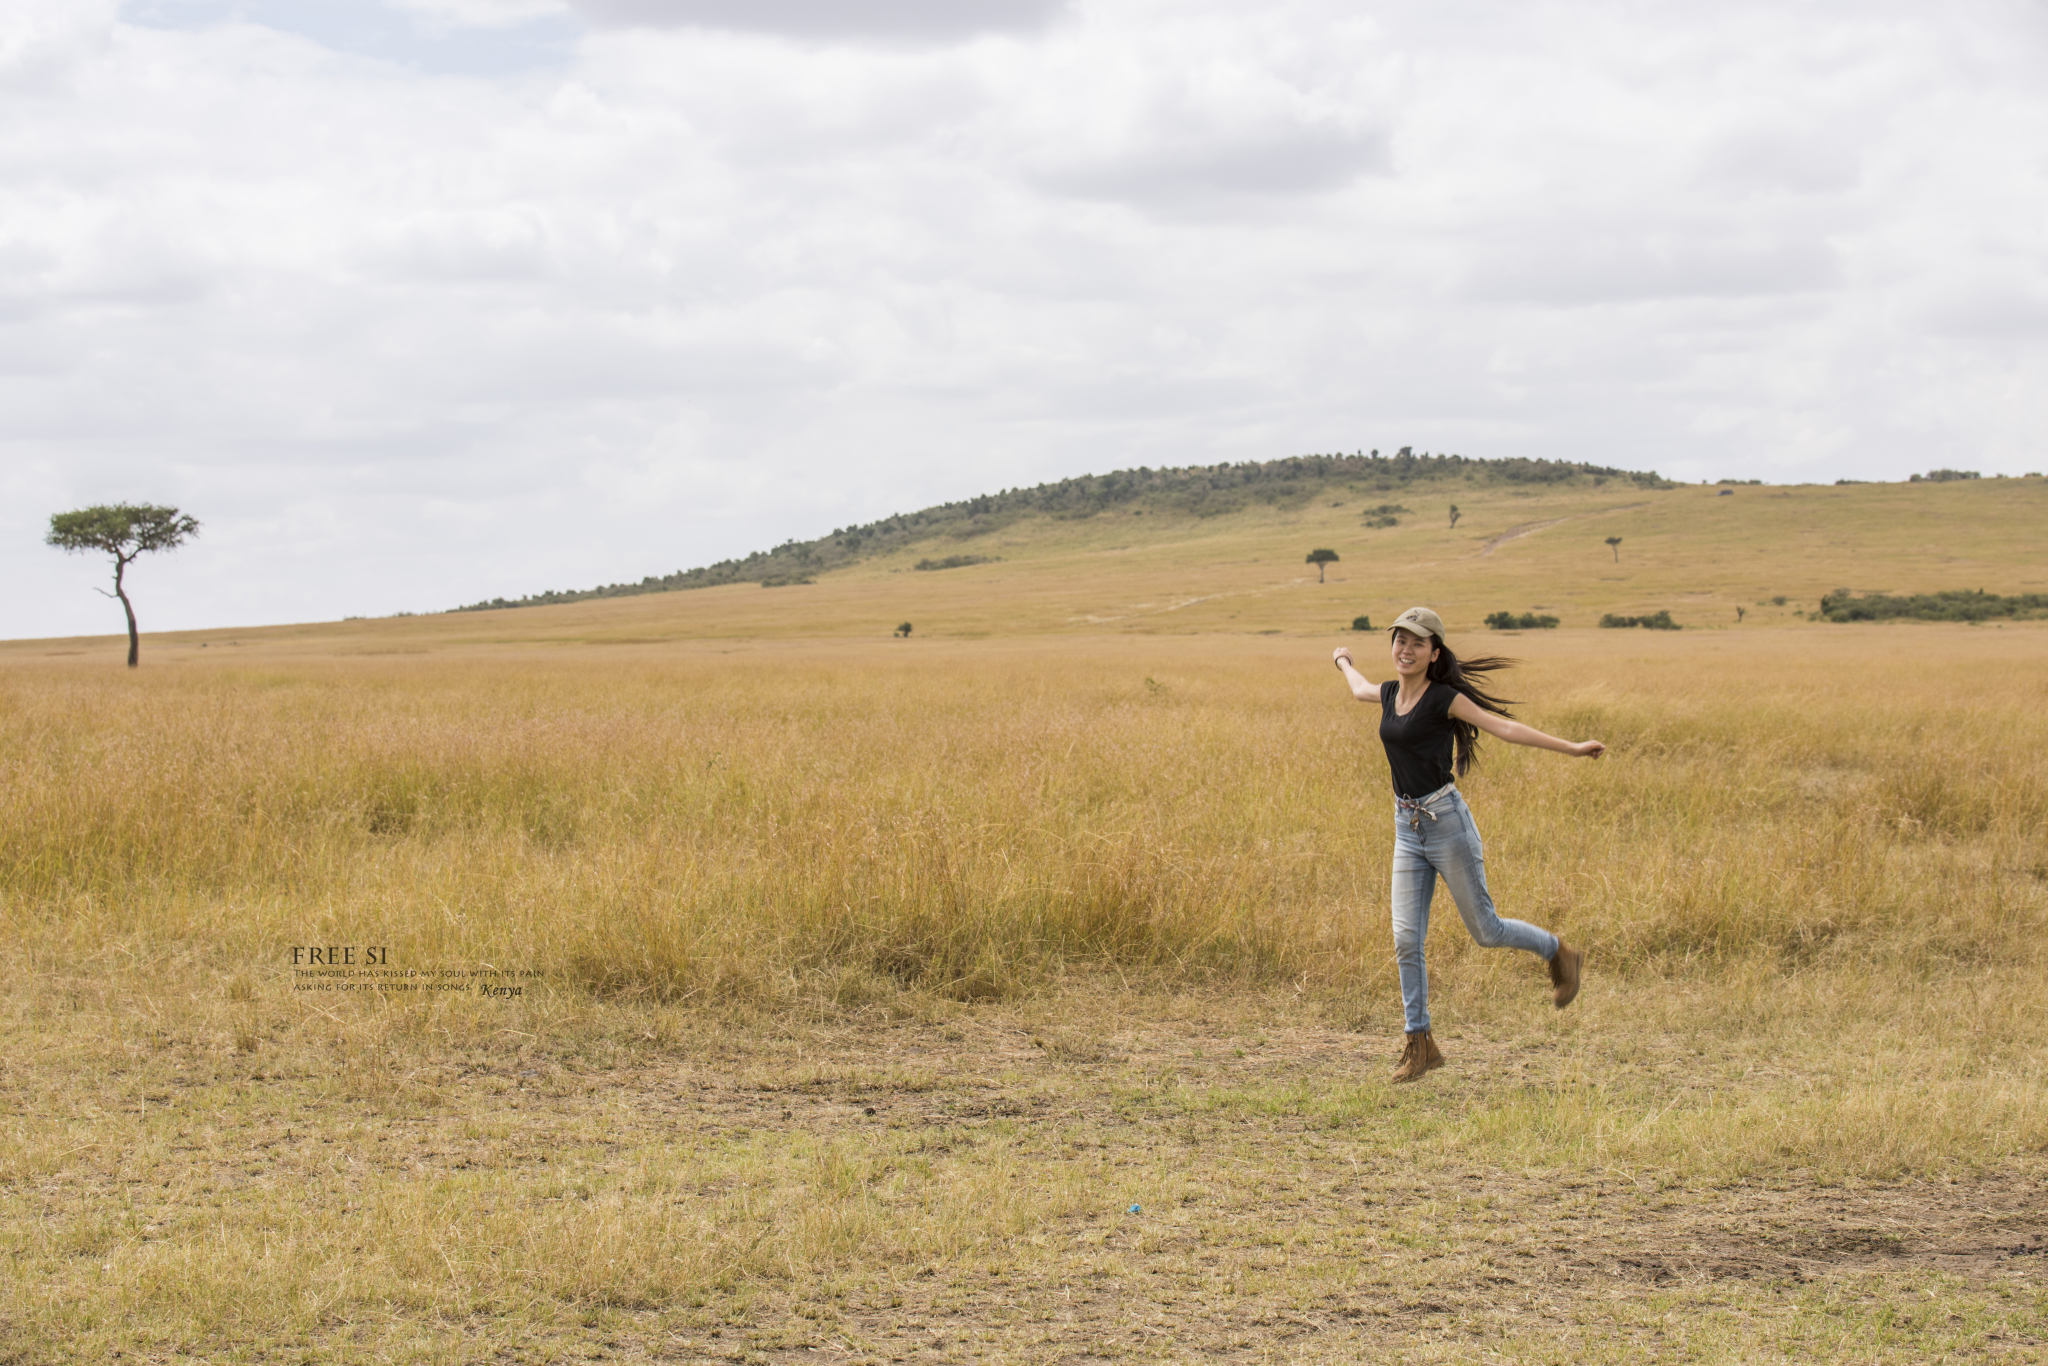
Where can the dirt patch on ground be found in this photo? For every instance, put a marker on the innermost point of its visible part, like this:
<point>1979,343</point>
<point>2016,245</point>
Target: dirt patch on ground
<point>1311,1244</point>
<point>1983,1226</point>
<point>1202,1200</point>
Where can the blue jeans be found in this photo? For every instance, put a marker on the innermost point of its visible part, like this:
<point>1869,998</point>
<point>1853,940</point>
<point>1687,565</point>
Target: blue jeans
<point>1436,835</point>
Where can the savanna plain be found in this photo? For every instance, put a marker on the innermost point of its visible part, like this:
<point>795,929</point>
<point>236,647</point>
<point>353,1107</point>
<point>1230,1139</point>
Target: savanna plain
<point>1023,997</point>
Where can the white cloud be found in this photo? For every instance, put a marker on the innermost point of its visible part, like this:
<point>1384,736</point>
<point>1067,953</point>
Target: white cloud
<point>42,42</point>
<point>487,14</point>
<point>408,328</point>
<point>443,37</point>
<point>917,20</point>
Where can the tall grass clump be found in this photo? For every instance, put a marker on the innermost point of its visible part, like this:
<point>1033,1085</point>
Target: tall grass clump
<point>985,817</point>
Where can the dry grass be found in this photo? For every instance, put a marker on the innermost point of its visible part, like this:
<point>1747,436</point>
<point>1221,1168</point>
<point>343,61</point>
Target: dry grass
<point>760,893</point>
<point>974,819</point>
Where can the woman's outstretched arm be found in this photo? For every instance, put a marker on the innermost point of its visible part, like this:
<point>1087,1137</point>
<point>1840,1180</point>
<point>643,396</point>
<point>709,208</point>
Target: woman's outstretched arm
<point>1515,733</point>
<point>1361,688</point>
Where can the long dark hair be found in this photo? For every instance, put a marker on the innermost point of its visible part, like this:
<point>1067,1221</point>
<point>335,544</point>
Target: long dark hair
<point>1469,676</point>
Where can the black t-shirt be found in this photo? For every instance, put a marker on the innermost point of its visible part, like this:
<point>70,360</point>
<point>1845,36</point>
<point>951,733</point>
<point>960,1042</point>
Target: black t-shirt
<point>1419,745</point>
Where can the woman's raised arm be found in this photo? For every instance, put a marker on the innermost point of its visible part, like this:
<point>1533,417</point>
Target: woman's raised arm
<point>1515,733</point>
<point>1361,687</point>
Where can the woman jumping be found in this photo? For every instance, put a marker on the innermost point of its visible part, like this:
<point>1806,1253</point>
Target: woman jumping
<point>1430,719</point>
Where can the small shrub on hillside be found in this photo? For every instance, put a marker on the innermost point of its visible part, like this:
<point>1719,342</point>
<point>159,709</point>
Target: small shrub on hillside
<point>1384,515</point>
<point>1945,476</point>
<point>1361,623</point>
<point>1656,621</point>
<point>956,561</point>
<point>1527,621</point>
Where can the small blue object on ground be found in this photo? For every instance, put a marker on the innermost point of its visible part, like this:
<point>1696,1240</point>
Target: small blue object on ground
<point>1137,1209</point>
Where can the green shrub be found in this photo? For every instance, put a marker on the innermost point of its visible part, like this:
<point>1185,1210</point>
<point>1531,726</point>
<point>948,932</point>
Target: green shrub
<point>1656,621</point>
<point>1527,621</point>
<point>1361,623</point>
<point>1960,605</point>
<point>956,561</point>
<point>1386,514</point>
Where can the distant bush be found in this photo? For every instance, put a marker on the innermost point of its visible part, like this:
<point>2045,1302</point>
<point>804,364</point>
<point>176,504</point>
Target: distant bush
<point>1361,623</point>
<point>1945,476</point>
<point>1962,605</point>
<point>1527,621</point>
<point>1656,621</point>
<point>787,581</point>
<point>1386,514</point>
<point>956,561</point>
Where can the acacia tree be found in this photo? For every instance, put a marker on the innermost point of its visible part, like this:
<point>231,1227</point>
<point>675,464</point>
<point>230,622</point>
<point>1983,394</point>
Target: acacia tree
<point>1320,558</point>
<point>1614,543</point>
<point>123,530</point>
<point>1455,514</point>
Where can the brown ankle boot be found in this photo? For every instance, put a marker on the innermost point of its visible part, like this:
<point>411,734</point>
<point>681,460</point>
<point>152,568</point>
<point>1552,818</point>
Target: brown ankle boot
<point>1565,967</point>
<point>1418,1055</point>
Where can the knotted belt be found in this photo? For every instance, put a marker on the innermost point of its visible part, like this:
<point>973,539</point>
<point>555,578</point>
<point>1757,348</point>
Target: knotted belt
<point>1418,807</point>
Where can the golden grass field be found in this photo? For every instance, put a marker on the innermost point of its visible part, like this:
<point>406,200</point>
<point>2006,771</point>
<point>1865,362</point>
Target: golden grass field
<point>864,985</point>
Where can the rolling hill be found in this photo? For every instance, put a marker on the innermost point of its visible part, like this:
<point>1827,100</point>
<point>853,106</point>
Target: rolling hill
<point>1156,552</point>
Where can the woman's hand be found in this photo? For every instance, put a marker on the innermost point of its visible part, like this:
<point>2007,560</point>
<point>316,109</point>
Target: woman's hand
<point>1362,688</point>
<point>1589,749</point>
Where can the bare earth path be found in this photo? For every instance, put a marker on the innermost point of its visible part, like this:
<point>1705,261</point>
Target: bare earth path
<point>1516,533</point>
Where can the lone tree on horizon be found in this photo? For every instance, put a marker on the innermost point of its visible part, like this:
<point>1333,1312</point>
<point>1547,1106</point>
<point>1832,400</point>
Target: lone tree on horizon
<point>1614,542</point>
<point>1320,558</point>
<point>123,530</point>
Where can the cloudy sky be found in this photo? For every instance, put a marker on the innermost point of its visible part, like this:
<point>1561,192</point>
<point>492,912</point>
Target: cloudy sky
<point>414,302</point>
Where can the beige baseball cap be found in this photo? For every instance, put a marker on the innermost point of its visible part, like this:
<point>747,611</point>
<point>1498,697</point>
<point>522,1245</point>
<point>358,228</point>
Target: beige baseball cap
<point>1419,621</point>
